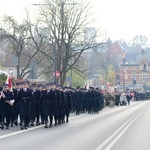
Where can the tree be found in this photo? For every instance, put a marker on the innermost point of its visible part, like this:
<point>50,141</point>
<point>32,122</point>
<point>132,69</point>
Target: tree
<point>111,75</point>
<point>3,78</point>
<point>63,27</point>
<point>140,40</point>
<point>17,38</point>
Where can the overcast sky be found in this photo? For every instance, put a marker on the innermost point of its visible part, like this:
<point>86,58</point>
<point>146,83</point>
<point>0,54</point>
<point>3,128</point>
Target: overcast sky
<point>121,19</point>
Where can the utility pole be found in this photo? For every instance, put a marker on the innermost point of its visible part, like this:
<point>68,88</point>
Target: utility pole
<point>56,43</point>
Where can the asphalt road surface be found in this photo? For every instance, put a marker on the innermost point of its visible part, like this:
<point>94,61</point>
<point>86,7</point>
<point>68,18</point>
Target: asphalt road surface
<point>118,128</point>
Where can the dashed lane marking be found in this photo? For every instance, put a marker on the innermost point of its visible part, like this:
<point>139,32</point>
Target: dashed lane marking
<point>110,141</point>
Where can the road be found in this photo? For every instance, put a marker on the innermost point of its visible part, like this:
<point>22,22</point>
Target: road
<point>118,128</point>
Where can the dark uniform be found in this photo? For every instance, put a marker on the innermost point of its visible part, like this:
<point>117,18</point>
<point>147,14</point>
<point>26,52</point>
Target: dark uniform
<point>77,101</point>
<point>48,105</point>
<point>0,105</point>
<point>16,105</point>
<point>129,97</point>
<point>37,105</point>
<point>89,97</point>
<point>59,104</point>
<point>101,100</point>
<point>117,96</point>
<point>68,104</point>
<point>96,100</point>
<point>25,97</point>
<point>7,101</point>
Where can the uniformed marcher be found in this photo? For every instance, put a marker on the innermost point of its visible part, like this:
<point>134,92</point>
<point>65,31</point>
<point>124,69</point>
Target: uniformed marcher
<point>59,103</point>
<point>7,102</point>
<point>117,96</point>
<point>0,106</point>
<point>35,105</point>
<point>14,119</point>
<point>48,105</point>
<point>68,104</point>
<point>89,98</point>
<point>77,101</point>
<point>55,113</point>
<point>38,104</point>
<point>25,97</point>
<point>96,100</point>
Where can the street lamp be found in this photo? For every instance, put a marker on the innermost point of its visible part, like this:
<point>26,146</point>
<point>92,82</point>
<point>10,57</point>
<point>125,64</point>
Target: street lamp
<point>124,83</point>
<point>54,30</point>
<point>55,59</point>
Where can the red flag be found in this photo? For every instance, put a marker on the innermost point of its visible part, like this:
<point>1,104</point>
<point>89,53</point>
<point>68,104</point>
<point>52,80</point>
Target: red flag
<point>108,84</point>
<point>9,81</point>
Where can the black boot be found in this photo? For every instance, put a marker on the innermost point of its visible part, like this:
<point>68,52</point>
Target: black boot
<point>32,124</point>
<point>50,126</point>
<point>37,123</point>
<point>16,122</point>
<point>2,125</point>
<point>21,125</point>
<point>46,125</point>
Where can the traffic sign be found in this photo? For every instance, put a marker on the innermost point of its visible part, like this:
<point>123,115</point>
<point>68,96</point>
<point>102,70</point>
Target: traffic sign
<point>57,74</point>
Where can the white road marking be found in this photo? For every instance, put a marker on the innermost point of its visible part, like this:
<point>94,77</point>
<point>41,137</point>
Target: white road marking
<point>118,133</point>
<point>33,128</point>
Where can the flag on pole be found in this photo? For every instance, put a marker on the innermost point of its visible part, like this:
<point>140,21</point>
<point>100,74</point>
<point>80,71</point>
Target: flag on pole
<point>108,84</point>
<point>9,82</point>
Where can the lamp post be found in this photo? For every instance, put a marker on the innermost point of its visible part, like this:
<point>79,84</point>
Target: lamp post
<point>133,78</point>
<point>124,83</point>
<point>56,40</point>
<point>55,46</point>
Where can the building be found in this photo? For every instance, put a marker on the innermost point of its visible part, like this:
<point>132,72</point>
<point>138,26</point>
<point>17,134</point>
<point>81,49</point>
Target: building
<point>117,52</point>
<point>135,71</point>
<point>90,35</point>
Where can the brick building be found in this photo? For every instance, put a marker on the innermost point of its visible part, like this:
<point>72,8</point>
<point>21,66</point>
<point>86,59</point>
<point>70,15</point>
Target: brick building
<point>135,71</point>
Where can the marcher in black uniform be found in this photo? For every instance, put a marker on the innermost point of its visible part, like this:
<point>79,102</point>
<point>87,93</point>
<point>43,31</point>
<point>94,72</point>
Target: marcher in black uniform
<point>83,98</point>
<point>68,104</point>
<point>96,100</point>
<point>55,113</point>
<point>25,97</point>
<point>89,98</point>
<point>77,101</point>
<point>62,106</point>
<point>129,97</point>
<point>37,103</point>
<point>7,101</point>
<point>41,88</point>
<point>101,100</point>
<point>0,106</point>
<point>59,103</point>
<point>48,105</point>
<point>16,105</point>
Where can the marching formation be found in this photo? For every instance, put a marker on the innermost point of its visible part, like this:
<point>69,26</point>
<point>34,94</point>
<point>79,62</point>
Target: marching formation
<point>50,104</point>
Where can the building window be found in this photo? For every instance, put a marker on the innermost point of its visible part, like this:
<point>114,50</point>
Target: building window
<point>120,56</point>
<point>133,76</point>
<point>144,78</point>
<point>144,67</point>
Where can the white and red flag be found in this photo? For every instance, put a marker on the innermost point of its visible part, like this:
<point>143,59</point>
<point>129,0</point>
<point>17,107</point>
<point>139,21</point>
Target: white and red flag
<point>9,81</point>
<point>108,84</point>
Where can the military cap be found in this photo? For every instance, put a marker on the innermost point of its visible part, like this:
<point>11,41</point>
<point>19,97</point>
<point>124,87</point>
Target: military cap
<point>43,86</point>
<point>48,84</point>
<point>25,82</point>
<point>5,84</point>
<point>33,85</point>
<point>18,83</point>
<point>39,85</point>
<point>78,87</point>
